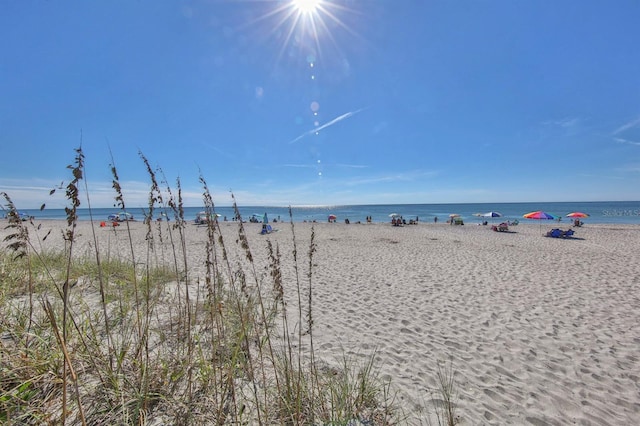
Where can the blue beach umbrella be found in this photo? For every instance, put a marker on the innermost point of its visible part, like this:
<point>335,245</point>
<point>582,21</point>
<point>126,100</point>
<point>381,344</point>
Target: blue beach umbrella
<point>492,215</point>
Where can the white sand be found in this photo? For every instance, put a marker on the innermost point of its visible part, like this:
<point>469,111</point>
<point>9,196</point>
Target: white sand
<point>539,330</point>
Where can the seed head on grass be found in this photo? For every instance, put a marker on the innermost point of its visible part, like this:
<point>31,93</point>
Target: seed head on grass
<point>115,184</point>
<point>73,192</point>
<point>19,239</point>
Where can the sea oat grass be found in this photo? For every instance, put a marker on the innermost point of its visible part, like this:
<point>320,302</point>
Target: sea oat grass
<point>93,338</point>
<point>444,397</point>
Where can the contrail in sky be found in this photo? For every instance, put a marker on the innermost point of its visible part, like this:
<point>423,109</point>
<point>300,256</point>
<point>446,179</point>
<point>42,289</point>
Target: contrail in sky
<point>328,124</point>
<point>627,126</point>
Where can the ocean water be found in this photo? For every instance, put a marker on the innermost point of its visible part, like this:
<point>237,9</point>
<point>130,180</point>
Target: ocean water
<point>623,212</point>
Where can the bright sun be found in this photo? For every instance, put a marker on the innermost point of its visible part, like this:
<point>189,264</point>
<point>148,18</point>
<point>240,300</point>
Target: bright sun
<point>305,28</point>
<point>306,6</point>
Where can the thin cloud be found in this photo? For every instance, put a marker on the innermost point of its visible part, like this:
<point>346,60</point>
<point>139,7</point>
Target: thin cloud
<point>630,168</point>
<point>301,166</point>
<point>567,122</point>
<point>627,126</point>
<point>395,177</point>
<point>627,142</point>
<point>328,124</point>
<point>314,166</point>
<point>351,166</point>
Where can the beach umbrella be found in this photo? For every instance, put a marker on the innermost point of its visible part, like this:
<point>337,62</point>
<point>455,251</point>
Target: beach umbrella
<point>538,215</point>
<point>492,214</point>
<point>332,217</point>
<point>577,215</point>
<point>265,219</point>
<point>394,215</point>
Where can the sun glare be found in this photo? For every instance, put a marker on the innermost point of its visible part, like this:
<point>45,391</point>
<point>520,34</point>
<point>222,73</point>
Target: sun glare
<point>306,6</point>
<point>307,31</point>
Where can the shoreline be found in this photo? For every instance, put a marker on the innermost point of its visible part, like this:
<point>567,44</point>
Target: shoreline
<point>627,212</point>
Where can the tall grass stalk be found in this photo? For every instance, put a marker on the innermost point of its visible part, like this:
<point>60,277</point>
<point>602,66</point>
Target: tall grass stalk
<point>231,355</point>
<point>18,242</point>
<point>101,283</point>
<point>444,396</point>
<point>73,197</point>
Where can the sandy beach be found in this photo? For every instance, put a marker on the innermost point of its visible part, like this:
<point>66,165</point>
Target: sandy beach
<point>541,331</point>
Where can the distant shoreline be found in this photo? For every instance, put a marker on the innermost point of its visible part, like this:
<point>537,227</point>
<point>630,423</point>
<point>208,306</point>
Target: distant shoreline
<point>599,212</point>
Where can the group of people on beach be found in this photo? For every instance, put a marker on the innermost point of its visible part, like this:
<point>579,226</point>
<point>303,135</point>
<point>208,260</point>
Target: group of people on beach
<point>401,221</point>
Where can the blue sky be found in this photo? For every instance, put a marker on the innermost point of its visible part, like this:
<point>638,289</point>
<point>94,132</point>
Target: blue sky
<point>356,102</point>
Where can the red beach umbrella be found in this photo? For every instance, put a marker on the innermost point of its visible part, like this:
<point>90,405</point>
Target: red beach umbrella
<point>577,215</point>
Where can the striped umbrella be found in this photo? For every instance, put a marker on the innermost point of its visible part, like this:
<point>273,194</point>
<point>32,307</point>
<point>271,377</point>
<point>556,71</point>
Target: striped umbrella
<point>539,215</point>
<point>577,215</point>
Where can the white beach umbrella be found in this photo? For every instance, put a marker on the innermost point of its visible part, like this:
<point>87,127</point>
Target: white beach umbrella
<point>492,214</point>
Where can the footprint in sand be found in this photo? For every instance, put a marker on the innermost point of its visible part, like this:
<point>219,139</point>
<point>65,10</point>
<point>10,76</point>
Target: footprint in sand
<point>453,344</point>
<point>488,415</point>
<point>494,396</point>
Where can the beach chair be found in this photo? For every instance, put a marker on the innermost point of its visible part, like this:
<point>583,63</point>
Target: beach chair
<point>503,227</point>
<point>555,233</point>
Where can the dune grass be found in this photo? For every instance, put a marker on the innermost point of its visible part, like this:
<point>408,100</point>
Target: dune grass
<point>95,338</point>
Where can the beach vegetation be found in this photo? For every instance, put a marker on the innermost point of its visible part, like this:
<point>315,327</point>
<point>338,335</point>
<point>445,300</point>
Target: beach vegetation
<point>94,335</point>
<point>444,397</point>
